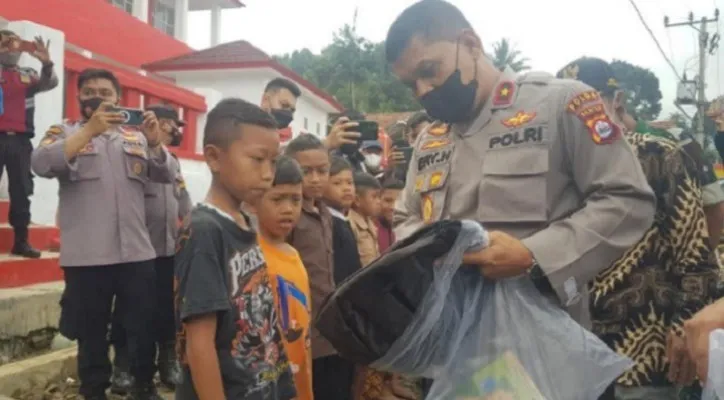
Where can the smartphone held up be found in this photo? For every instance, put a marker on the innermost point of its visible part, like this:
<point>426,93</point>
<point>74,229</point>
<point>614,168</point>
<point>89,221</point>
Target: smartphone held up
<point>130,116</point>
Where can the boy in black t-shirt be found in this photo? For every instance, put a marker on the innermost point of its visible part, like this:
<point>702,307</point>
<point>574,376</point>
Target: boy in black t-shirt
<point>228,334</point>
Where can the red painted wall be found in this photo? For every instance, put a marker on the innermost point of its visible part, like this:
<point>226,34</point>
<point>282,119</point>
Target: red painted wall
<point>98,26</point>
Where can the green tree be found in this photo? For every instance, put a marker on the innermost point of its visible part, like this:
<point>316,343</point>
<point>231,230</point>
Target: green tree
<point>680,120</point>
<point>642,89</point>
<point>506,55</point>
<point>355,72</point>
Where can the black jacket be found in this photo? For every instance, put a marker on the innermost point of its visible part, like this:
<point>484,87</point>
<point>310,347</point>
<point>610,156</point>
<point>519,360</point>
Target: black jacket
<point>344,246</point>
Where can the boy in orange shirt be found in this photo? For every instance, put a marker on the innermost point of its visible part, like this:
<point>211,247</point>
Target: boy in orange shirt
<point>277,213</point>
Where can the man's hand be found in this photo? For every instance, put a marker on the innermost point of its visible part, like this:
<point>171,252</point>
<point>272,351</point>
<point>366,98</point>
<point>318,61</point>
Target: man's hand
<point>102,119</point>
<point>339,136</point>
<point>666,124</point>
<point>504,257</point>
<point>396,158</point>
<point>41,52</point>
<point>151,129</point>
<point>682,370</point>
<point>697,331</point>
<point>716,113</point>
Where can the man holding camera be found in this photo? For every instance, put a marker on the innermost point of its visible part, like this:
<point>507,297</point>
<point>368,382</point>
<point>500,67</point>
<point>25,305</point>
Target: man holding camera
<point>166,205</point>
<point>102,167</point>
<point>18,87</point>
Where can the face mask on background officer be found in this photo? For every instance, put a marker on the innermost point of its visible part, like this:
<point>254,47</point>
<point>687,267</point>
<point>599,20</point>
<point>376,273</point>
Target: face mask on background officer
<point>93,93</point>
<point>169,122</point>
<point>280,100</point>
<point>450,78</point>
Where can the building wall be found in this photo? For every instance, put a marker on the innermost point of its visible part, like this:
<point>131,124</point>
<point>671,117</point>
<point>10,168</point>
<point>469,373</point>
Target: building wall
<point>50,110</point>
<point>100,27</point>
<point>249,84</point>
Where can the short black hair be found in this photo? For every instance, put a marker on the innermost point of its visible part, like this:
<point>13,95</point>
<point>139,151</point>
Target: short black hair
<point>364,181</point>
<point>7,32</point>
<point>393,184</point>
<point>433,20</point>
<point>89,74</point>
<point>303,142</point>
<point>338,164</point>
<point>283,83</point>
<point>288,172</point>
<point>417,118</point>
<point>223,121</point>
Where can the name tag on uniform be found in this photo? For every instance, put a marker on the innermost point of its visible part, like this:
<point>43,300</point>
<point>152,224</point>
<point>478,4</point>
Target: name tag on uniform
<point>531,134</point>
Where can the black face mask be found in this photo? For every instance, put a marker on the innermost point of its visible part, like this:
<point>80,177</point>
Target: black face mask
<point>283,117</point>
<point>453,101</point>
<point>89,106</point>
<point>176,137</point>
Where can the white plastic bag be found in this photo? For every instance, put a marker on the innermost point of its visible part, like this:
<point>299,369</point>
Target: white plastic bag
<point>714,388</point>
<point>480,339</point>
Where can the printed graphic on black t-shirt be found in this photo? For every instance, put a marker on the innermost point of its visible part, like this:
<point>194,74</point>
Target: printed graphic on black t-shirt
<point>220,269</point>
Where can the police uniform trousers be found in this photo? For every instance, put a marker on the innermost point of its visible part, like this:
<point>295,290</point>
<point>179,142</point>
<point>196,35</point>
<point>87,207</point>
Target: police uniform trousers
<point>15,151</point>
<point>164,328</point>
<point>87,304</point>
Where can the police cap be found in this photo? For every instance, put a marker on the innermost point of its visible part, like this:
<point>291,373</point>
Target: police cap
<point>594,72</point>
<point>167,112</point>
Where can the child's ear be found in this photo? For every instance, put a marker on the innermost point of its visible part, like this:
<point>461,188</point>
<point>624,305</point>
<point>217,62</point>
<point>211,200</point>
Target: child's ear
<point>212,155</point>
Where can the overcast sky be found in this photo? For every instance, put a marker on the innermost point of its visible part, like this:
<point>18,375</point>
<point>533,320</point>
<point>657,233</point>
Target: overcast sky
<point>550,32</point>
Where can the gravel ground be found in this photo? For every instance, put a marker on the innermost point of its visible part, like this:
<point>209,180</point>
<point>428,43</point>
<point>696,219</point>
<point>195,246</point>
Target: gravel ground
<point>68,390</point>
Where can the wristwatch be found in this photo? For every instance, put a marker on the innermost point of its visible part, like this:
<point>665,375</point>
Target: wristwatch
<point>539,278</point>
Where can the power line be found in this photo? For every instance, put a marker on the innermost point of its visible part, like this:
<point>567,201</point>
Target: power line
<point>653,37</point>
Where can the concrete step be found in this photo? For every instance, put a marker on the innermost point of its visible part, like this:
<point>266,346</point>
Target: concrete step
<point>17,272</point>
<point>27,309</point>
<point>40,236</point>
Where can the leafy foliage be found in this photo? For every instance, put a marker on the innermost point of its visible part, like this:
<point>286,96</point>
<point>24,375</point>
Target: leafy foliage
<point>506,55</point>
<point>354,71</point>
<point>642,88</point>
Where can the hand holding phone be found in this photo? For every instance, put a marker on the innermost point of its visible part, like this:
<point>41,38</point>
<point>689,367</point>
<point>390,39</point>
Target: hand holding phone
<point>129,116</point>
<point>368,130</point>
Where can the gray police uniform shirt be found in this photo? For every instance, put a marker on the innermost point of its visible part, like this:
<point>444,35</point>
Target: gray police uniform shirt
<point>101,210</point>
<point>544,163</point>
<point>166,204</point>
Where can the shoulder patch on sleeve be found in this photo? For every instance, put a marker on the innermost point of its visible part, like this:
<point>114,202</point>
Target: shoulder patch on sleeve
<point>588,107</point>
<point>55,130</point>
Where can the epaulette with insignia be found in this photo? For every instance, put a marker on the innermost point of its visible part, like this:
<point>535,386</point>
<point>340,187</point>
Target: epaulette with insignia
<point>504,94</point>
<point>438,129</point>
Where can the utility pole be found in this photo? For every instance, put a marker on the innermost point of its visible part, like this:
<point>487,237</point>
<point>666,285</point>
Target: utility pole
<point>704,48</point>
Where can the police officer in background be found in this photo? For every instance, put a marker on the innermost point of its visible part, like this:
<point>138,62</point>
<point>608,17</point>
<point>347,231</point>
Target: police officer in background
<point>537,160</point>
<point>280,100</point>
<point>166,205</point>
<point>103,168</point>
<point>18,87</point>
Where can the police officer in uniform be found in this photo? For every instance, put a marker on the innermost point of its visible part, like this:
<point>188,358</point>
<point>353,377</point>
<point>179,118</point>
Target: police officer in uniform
<point>537,160</point>
<point>18,87</point>
<point>103,167</point>
<point>166,205</point>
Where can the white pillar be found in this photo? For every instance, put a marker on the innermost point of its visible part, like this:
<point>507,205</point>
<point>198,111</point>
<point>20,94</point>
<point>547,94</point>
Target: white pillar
<point>140,10</point>
<point>182,11</point>
<point>215,25</point>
